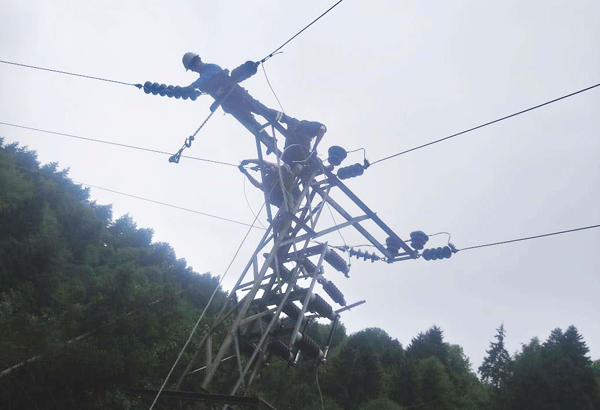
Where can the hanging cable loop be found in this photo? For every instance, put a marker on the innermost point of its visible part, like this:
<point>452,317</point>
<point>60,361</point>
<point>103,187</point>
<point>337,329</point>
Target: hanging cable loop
<point>270,55</point>
<point>213,108</point>
<point>188,141</point>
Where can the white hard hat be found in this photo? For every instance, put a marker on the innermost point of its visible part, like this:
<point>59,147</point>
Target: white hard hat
<point>188,58</point>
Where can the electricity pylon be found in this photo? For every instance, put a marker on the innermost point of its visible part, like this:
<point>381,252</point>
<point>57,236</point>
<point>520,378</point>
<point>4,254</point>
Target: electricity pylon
<point>278,286</point>
<point>276,296</point>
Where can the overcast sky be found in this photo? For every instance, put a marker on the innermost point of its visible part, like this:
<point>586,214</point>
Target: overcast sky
<point>384,75</point>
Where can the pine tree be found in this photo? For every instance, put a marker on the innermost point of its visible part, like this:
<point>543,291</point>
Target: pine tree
<point>576,348</point>
<point>528,386</point>
<point>430,343</point>
<point>568,369</point>
<point>495,368</point>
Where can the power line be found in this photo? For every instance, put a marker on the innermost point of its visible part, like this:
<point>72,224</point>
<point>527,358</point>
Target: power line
<point>300,32</point>
<point>144,199</point>
<point>245,224</point>
<point>252,226</point>
<point>530,237</point>
<point>140,86</point>
<point>204,312</point>
<point>113,143</point>
<point>272,90</point>
<point>73,74</point>
<point>486,124</point>
<point>165,204</point>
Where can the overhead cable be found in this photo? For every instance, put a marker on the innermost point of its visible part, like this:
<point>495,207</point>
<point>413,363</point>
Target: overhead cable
<point>188,141</point>
<point>73,74</point>
<point>165,204</point>
<point>486,124</point>
<point>530,237</point>
<point>272,90</point>
<point>113,143</point>
<point>145,199</point>
<point>298,33</point>
<point>204,312</point>
<point>140,86</point>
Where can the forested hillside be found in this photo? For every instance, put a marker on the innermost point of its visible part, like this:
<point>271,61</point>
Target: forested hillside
<point>90,305</point>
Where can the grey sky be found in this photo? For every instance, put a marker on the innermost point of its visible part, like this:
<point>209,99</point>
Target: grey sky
<point>382,75</point>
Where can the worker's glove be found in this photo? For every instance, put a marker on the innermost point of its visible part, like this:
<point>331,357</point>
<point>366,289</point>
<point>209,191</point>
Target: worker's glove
<point>241,167</point>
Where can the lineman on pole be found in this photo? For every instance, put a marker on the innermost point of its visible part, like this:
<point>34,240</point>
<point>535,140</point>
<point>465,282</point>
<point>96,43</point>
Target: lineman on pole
<point>271,185</point>
<point>236,101</point>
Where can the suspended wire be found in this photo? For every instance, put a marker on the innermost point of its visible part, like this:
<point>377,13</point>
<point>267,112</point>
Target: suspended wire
<point>358,149</point>
<point>339,231</point>
<point>73,74</point>
<point>203,313</point>
<point>114,143</point>
<point>300,32</point>
<point>440,233</point>
<point>364,245</point>
<point>530,237</point>
<point>255,227</point>
<point>204,367</point>
<point>487,123</point>
<point>335,223</point>
<point>188,141</point>
<point>169,205</point>
<point>364,154</point>
<point>140,86</point>
<point>497,243</point>
<point>248,203</point>
<point>319,387</point>
<point>273,91</point>
<point>143,199</point>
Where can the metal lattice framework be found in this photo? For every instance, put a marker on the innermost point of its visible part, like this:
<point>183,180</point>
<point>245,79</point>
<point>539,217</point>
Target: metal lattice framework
<point>284,285</point>
<point>279,283</point>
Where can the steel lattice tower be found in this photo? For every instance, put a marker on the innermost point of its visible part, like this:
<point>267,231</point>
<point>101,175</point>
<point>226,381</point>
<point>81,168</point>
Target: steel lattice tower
<point>279,292</point>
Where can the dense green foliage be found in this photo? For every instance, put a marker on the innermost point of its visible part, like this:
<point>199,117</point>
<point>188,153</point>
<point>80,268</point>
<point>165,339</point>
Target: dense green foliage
<point>92,302</point>
<point>89,304</point>
<point>557,374</point>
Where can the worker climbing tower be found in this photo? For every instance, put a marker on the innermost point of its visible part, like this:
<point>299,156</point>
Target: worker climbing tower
<point>290,280</point>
